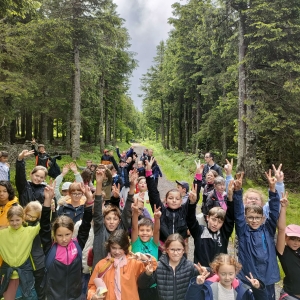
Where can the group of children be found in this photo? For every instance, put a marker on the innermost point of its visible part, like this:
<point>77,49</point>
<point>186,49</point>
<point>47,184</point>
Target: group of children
<point>93,247</point>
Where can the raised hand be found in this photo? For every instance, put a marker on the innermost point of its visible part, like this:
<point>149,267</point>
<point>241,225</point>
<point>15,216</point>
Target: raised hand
<point>25,153</point>
<point>254,282</point>
<point>149,163</point>
<point>272,180</point>
<point>238,183</point>
<point>149,268</point>
<point>65,169</point>
<point>284,199</point>
<point>278,173</point>
<point>200,269</point>
<point>116,190</point>
<point>99,176</point>
<point>133,176</point>
<point>230,190</point>
<point>135,206</point>
<point>201,278</point>
<point>73,167</point>
<point>156,213</point>
<point>193,194</point>
<point>228,167</point>
<point>199,166</point>
<point>48,194</point>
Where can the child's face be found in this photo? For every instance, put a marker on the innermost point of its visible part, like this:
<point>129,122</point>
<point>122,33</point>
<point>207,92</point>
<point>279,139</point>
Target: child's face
<point>116,251</point>
<point>142,185</point>
<point>175,251</point>
<point>220,187</point>
<point>31,215</point>
<point>214,223</point>
<point>293,242</point>
<point>226,274</point>
<point>88,163</point>
<point>210,177</point>
<point>76,195</point>
<point>145,233</point>
<point>42,149</point>
<point>254,219</point>
<point>15,222</point>
<point>140,164</point>
<point>4,159</point>
<point>174,200</point>
<point>3,195</point>
<point>111,221</point>
<point>63,236</point>
<point>37,177</point>
<point>253,199</point>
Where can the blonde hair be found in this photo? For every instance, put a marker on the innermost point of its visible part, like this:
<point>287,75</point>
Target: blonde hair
<point>39,168</point>
<point>225,259</point>
<point>15,210</point>
<point>35,206</point>
<point>258,192</point>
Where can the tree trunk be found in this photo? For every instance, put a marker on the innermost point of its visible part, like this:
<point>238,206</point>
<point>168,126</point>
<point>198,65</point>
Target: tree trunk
<point>68,131</point>
<point>162,123</point>
<point>76,121</point>
<point>107,137</point>
<point>28,125</point>
<point>114,122</point>
<point>242,95</point>
<point>23,123</point>
<point>44,131</point>
<point>101,117</point>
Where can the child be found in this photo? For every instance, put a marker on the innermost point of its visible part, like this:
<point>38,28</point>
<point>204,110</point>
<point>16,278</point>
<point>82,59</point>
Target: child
<point>32,216</point>
<point>183,188</point>
<point>4,166</point>
<point>142,195</point>
<point>145,235</point>
<point>7,200</point>
<point>217,197</point>
<point>119,271</point>
<point>16,268</point>
<point>173,272</point>
<point>41,157</point>
<point>212,239</point>
<point>173,218</point>
<point>224,284</point>
<point>288,252</point>
<point>256,238</point>
<point>111,219</point>
<point>141,168</point>
<point>30,190</point>
<point>65,187</point>
<point>63,276</point>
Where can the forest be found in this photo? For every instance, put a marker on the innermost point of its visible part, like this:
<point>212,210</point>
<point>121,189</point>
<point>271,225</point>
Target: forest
<point>226,80</point>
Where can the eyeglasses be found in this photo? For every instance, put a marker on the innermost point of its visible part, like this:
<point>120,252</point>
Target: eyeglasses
<point>176,250</point>
<point>251,219</point>
<point>31,217</point>
<point>76,194</point>
<point>253,198</point>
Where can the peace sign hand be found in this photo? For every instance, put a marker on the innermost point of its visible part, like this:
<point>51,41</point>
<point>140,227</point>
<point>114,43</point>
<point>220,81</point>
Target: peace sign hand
<point>156,213</point>
<point>116,190</point>
<point>201,278</point>
<point>272,180</point>
<point>228,167</point>
<point>230,190</point>
<point>238,183</point>
<point>135,206</point>
<point>284,200</point>
<point>254,282</point>
<point>278,173</point>
<point>193,194</point>
<point>201,270</point>
<point>199,166</point>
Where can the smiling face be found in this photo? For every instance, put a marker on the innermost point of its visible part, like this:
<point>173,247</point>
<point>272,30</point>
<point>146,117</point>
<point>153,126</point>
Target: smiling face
<point>175,252</point>
<point>253,199</point>
<point>111,221</point>
<point>116,251</point>
<point>15,222</point>
<point>145,233</point>
<point>38,177</point>
<point>174,200</point>
<point>254,220</point>
<point>63,236</point>
<point>220,187</point>
<point>226,274</point>
<point>293,242</point>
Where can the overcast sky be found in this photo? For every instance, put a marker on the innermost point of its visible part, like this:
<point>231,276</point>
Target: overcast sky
<point>147,24</point>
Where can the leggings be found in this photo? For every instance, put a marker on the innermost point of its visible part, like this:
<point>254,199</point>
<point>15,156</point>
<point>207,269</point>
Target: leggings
<point>11,291</point>
<point>286,296</point>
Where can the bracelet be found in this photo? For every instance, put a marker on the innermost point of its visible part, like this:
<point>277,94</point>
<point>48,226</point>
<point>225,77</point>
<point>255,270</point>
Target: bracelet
<point>89,203</point>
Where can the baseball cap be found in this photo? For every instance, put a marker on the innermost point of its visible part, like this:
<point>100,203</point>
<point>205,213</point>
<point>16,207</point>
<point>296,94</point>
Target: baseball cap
<point>292,230</point>
<point>66,186</point>
<point>184,185</point>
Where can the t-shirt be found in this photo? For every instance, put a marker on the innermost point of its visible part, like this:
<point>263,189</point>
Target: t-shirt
<point>4,171</point>
<point>148,247</point>
<point>290,262</point>
<point>225,293</point>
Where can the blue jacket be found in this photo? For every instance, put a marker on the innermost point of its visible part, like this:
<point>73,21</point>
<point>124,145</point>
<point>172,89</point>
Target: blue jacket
<point>209,290</point>
<point>257,252</point>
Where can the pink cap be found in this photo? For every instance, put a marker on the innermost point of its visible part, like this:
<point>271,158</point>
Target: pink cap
<point>292,230</point>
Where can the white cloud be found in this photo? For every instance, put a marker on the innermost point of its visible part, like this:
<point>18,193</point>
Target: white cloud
<point>147,24</point>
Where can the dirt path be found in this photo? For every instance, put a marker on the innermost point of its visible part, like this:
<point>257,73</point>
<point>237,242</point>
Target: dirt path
<point>164,185</point>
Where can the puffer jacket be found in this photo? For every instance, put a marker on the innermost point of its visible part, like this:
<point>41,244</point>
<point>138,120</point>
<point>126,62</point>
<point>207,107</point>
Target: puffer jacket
<point>170,285</point>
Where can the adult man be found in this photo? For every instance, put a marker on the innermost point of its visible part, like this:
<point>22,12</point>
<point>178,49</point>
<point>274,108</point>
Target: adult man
<point>210,165</point>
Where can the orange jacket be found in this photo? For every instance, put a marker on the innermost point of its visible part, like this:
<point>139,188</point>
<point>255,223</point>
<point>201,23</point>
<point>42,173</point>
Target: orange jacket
<point>129,276</point>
